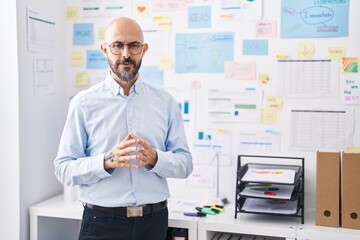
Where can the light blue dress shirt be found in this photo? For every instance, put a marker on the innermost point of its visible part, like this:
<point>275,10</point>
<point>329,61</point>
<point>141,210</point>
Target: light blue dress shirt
<point>101,117</point>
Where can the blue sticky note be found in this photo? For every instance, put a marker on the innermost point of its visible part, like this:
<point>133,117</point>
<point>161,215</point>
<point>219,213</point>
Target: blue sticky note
<point>199,17</point>
<point>152,75</point>
<point>314,19</point>
<point>203,52</point>
<point>83,34</point>
<point>95,59</point>
<point>255,47</point>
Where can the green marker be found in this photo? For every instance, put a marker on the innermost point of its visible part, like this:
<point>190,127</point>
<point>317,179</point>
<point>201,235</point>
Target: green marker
<point>205,210</point>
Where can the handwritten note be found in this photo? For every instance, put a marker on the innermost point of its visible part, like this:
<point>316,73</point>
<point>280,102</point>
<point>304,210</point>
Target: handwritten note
<point>163,23</point>
<point>199,17</point>
<point>266,29</point>
<point>203,52</point>
<point>240,70</point>
<point>268,116</point>
<point>95,59</point>
<point>310,19</point>
<point>336,53</point>
<point>274,102</point>
<point>351,92</point>
<point>83,34</point>
<point>306,50</point>
<point>81,78</point>
<point>170,5</point>
<point>255,47</point>
<point>77,58</point>
<point>72,13</point>
<point>264,79</point>
<point>101,34</point>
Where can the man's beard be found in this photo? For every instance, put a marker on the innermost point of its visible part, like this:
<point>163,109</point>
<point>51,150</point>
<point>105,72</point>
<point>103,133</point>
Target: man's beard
<point>127,75</point>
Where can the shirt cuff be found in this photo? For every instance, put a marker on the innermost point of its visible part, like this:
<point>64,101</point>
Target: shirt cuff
<point>160,163</point>
<point>98,168</point>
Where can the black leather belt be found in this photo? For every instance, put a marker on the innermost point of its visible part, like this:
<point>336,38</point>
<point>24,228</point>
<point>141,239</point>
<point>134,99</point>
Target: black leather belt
<point>137,211</point>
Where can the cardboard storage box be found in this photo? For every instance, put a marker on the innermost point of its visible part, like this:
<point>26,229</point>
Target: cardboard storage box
<point>328,189</point>
<point>351,190</point>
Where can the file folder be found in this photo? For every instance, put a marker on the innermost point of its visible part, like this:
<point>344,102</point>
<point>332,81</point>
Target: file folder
<point>351,190</point>
<point>328,189</point>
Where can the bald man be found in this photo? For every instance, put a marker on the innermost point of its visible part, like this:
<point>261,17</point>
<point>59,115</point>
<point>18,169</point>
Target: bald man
<point>121,140</point>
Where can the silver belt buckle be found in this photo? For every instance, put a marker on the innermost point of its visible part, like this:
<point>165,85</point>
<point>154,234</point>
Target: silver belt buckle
<point>134,211</point>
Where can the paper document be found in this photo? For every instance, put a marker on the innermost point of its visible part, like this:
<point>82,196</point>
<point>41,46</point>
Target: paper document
<point>268,191</point>
<point>270,206</point>
<point>271,175</point>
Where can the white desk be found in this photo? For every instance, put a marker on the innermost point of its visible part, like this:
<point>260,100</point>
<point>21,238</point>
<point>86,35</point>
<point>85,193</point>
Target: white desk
<point>56,207</point>
<point>309,231</point>
<point>252,224</point>
<point>204,228</point>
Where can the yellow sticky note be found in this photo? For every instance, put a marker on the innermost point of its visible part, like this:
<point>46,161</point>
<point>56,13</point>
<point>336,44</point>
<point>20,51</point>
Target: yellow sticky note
<point>268,116</point>
<point>81,79</point>
<point>165,62</point>
<point>77,58</point>
<point>306,50</point>
<point>163,23</point>
<point>274,102</point>
<point>72,13</point>
<point>264,79</point>
<point>352,149</point>
<point>141,9</point>
<point>101,34</point>
<point>281,56</point>
<point>336,53</point>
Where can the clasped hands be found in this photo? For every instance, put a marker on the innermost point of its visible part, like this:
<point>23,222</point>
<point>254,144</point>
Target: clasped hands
<point>129,149</point>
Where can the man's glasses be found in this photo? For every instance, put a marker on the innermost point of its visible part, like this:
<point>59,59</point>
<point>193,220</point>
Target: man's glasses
<point>117,48</point>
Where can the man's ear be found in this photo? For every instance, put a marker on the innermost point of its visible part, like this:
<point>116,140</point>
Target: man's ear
<point>145,48</point>
<point>104,49</point>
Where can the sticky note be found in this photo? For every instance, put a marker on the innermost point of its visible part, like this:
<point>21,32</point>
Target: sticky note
<point>101,34</point>
<point>265,29</point>
<point>336,53</point>
<point>353,149</point>
<point>305,50</point>
<point>264,79</point>
<point>199,17</point>
<point>255,47</point>
<point>281,56</point>
<point>81,78</point>
<point>83,34</point>
<point>166,62</point>
<point>350,64</point>
<point>77,58</point>
<point>274,102</point>
<point>163,23</point>
<point>268,116</point>
<point>141,9</point>
<point>95,59</point>
<point>72,13</point>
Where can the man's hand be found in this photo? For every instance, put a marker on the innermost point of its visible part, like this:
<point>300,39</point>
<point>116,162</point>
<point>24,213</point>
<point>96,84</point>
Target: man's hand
<point>131,148</point>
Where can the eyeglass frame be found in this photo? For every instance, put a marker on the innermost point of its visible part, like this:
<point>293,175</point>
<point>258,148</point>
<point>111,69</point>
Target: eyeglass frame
<point>125,44</point>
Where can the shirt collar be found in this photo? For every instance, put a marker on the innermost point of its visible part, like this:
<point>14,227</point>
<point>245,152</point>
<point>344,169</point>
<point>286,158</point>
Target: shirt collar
<point>116,89</point>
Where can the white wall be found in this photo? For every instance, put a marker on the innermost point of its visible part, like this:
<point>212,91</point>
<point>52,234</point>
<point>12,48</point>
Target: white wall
<point>9,125</point>
<point>264,64</point>
<point>41,116</point>
<point>30,125</point>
